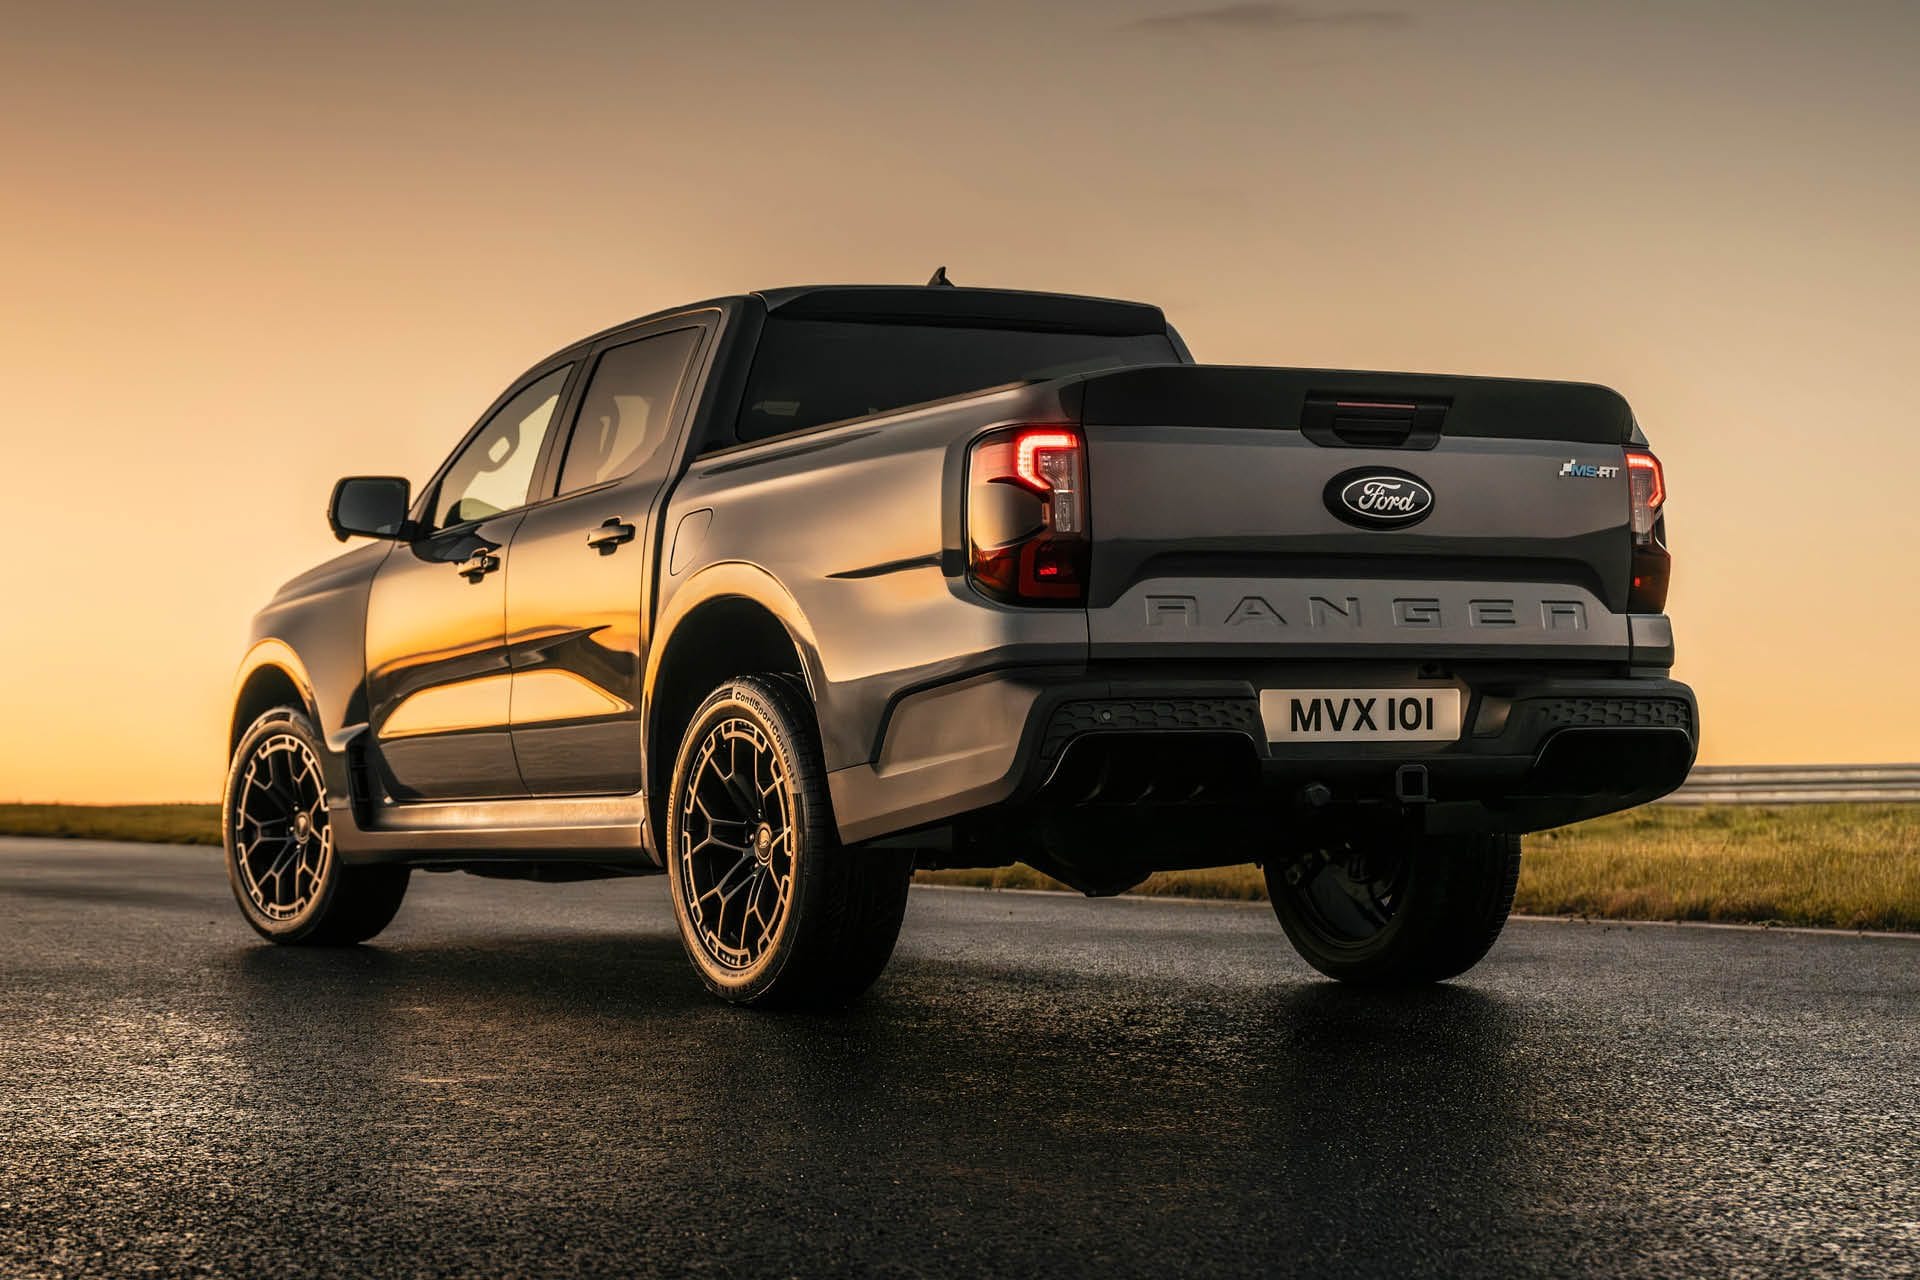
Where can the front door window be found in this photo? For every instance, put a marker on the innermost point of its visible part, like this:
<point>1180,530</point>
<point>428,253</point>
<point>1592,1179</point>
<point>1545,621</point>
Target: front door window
<point>495,471</point>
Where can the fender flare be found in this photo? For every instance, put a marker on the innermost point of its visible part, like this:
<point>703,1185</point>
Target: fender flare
<point>278,654</point>
<point>730,579</point>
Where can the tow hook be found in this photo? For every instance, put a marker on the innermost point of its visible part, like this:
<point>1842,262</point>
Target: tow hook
<point>1411,784</point>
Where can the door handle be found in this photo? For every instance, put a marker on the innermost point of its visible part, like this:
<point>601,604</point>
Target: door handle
<point>478,565</point>
<point>610,535</point>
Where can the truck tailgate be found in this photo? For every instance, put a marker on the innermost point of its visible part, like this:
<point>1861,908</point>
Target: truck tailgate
<point>1220,515</point>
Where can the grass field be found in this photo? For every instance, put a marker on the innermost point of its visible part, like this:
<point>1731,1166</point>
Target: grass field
<point>158,823</point>
<point>1837,866</point>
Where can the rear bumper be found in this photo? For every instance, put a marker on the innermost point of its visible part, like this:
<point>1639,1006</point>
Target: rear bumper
<point>1537,750</point>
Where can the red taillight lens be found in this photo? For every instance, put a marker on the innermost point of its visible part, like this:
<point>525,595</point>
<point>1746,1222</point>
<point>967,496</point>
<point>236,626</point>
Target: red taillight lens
<point>1646,492</point>
<point>1027,516</point>
<point>1652,564</point>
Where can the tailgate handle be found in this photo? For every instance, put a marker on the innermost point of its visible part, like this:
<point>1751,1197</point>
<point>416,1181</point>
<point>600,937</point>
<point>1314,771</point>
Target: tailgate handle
<point>1361,421</point>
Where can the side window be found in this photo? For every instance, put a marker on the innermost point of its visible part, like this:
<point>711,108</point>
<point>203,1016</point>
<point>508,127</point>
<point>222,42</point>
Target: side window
<point>494,472</point>
<point>628,409</point>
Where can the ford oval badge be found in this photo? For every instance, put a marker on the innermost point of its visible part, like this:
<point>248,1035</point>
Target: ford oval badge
<point>1379,499</point>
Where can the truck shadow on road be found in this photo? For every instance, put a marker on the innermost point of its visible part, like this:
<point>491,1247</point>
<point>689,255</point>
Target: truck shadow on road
<point>1026,1108</point>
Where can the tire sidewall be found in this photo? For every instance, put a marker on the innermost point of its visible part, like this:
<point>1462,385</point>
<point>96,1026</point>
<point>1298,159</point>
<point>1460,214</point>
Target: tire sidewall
<point>281,721</point>
<point>749,699</point>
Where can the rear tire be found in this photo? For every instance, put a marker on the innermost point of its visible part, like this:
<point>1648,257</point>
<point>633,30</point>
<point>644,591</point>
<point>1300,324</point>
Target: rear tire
<point>772,910</point>
<point>1397,913</point>
<point>281,863</point>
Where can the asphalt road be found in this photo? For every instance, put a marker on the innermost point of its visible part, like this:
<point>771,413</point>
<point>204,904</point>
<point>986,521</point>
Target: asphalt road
<point>525,1079</point>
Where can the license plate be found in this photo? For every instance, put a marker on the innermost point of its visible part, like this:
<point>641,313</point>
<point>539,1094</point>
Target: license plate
<point>1361,715</point>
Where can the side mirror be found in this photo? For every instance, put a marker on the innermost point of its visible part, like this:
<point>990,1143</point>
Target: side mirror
<point>371,506</point>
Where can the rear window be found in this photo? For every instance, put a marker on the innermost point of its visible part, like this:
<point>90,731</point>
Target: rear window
<point>807,372</point>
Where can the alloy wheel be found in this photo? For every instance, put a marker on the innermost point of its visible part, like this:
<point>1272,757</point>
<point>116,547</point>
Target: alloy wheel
<point>736,844</point>
<point>282,841</point>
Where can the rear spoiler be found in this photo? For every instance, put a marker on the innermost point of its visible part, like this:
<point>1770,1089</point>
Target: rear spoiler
<point>1345,406</point>
<point>972,308</point>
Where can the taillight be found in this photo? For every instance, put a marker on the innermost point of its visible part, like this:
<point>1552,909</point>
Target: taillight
<point>1646,492</point>
<point>1027,537</point>
<point>1652,564</point>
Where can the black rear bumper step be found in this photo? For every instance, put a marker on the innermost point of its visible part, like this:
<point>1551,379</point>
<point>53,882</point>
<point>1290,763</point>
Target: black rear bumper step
<point>1532,755</point>
<point>1510,718</point>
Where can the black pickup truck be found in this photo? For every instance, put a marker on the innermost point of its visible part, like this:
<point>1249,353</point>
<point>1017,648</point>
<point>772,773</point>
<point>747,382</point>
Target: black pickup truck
<point>787,594</point>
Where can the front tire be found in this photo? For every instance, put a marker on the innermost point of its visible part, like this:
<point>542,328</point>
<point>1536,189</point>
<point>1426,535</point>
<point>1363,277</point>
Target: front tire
<point>281,863</point>
<point>1396,912</point>
<point>772,909</point>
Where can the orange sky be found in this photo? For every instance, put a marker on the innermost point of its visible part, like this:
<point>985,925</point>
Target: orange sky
<point>245,250</point>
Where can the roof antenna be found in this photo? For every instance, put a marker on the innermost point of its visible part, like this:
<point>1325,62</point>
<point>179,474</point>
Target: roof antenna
<point>940,280</point>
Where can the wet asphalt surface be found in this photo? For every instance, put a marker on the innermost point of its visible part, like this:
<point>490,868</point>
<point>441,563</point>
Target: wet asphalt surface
<point>525,1079</point>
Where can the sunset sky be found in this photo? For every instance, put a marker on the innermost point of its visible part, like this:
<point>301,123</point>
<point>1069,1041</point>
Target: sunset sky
<point>248,248</point>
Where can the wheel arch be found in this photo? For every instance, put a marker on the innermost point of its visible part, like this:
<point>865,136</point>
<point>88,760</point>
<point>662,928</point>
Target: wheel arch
<point>729,620</point>
<point>271,675</point>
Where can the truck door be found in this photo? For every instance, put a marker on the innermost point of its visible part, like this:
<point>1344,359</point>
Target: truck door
<point>579,593</point>
<point>438,682</point>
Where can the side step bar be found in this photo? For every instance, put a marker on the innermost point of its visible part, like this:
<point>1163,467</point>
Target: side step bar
<point>595,828</point>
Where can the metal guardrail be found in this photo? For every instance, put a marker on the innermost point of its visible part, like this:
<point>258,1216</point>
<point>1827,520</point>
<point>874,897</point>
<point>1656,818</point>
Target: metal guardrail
<point>1800,784</point>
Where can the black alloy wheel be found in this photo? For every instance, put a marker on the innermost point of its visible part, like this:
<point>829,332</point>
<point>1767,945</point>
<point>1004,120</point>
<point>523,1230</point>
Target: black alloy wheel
<point>772,908</point>
<point>282,862</point>
<point>736,844</point>
<point>282,840</point>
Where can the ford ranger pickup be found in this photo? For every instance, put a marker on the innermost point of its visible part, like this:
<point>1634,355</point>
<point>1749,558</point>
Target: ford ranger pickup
<point>787,594</point>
